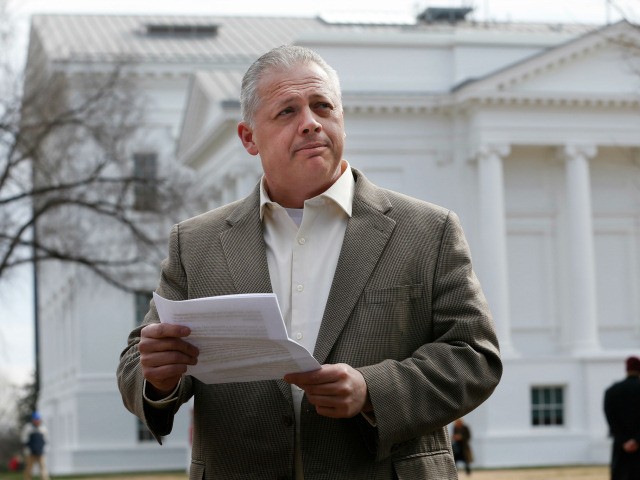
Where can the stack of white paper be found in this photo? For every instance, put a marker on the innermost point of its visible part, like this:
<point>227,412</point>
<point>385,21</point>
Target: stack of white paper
<point>241,337</point>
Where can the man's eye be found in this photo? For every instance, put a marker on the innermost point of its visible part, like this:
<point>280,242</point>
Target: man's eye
<point>325,106</point>
<point>286,111</point>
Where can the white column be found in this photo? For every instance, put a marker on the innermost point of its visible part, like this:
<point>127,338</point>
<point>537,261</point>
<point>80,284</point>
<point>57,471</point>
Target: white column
<point>583,329</point>
<point>493,236</point>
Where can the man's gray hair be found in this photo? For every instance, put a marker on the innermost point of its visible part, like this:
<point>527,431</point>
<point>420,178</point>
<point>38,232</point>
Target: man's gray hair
<point>281,58</point>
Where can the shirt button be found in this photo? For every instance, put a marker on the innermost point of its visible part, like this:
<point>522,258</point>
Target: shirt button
<point>302,240</point>
<point>298,336</point>
<point>300,288</point>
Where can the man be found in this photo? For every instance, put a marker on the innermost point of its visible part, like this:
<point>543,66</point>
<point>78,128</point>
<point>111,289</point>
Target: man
<point>622,409</point>
<point>34,439</point>
<point>378,285</point>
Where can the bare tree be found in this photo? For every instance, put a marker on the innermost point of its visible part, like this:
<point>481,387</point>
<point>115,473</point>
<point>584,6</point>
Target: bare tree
<point>16,405</point>
<point>71,189</point>
<point>10,397</point>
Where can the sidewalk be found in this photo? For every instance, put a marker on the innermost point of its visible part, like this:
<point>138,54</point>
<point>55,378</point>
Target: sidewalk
<point>566,473</point>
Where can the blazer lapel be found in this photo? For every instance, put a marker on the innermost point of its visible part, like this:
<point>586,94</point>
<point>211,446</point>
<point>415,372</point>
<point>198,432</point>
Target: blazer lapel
<point>367,234</point>
<point>246,255</point>
<point>244,248</point>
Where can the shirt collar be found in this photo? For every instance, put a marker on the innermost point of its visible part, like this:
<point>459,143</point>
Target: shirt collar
<point>341,193</point>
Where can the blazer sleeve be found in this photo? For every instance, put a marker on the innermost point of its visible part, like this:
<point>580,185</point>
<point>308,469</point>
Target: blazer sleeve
<point>451,374</point>
<point>173,286</point>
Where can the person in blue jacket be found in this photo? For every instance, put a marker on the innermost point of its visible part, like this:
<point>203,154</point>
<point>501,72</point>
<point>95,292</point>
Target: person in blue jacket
<point>34,439</point>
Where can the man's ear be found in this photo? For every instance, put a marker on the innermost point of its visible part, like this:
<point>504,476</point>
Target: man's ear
<point>246,137</point>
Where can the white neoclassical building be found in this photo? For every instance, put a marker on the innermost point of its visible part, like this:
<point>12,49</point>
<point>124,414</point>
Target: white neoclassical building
<point>531,133</point>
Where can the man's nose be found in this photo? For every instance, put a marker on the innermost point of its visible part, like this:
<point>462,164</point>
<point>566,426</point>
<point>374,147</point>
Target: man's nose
<point>309,123</point>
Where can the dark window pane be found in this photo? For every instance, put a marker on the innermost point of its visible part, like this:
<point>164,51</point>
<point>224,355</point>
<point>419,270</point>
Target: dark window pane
<point>559,416</point>
<point>142,300</point>
<point>144,435</point>
<point>145,174</point>
<point>535,417</point>
<point>547,406</point>
<point>535,396</point>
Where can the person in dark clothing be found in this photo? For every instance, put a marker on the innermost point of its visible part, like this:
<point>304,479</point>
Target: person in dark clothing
<point>461,444</point>
<point>34,439</point>
<point>622,409</point>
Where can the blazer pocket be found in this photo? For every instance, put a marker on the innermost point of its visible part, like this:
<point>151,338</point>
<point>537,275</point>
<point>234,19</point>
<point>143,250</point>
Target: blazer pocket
<point>400,293</point>
<point>438,464</point>
<point>196,471</point>
<point>389,319</point>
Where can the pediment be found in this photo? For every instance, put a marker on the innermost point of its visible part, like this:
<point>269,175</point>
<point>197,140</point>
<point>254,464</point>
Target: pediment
<point>604,63</point>
<point>210,95</point>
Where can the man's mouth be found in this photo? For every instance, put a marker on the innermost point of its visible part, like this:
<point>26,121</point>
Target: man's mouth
<point>311,146</point>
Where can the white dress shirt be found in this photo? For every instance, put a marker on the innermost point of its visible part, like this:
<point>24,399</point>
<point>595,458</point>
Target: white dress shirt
<point>303,246</point>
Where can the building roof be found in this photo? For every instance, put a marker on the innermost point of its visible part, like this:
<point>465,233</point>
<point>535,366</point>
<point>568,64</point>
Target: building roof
<point>622,36</point>
<point>141,38</point>
<point>220,39</point>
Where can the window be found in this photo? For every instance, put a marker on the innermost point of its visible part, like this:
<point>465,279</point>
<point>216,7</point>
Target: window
<point>142,299</point>
<point>547,406</point>
<point>145,174</point>
<point>144,435</point>
<point>181,30</point>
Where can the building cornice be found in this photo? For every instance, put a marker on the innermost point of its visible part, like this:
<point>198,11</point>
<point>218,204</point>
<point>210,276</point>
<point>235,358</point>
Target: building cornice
<point>447,103</point>
<point>548,99</point>
<point>384,102</point>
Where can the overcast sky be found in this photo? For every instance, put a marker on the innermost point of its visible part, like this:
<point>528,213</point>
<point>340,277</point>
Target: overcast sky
<point>16,317</point>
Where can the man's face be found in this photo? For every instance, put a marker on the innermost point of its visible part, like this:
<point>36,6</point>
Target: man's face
<point>298,131</point>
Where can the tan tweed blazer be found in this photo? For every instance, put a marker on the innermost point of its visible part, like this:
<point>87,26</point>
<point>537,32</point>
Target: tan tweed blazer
<point>405,308</point>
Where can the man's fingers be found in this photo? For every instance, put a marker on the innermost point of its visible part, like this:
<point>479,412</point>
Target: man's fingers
<point>165,373</point>
<point>164,330</point>
<point>326,374</point>
<point>169,357</point>
<point>337,391</point>
<point>152,345</point>
<point>165,355</point>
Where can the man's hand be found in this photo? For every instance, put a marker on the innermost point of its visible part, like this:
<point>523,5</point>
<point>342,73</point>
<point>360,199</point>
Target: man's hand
<point>164,356</point>
<point>337,391</point>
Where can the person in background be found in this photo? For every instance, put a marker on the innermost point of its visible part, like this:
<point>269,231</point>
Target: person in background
<point>34,440</point>
<point>622,410</point>
<point>461,444</point>
<point>378,285</point>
